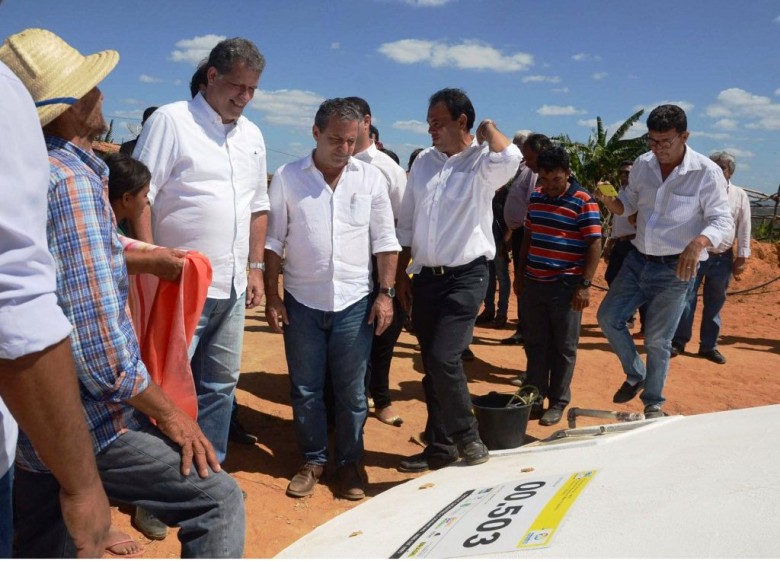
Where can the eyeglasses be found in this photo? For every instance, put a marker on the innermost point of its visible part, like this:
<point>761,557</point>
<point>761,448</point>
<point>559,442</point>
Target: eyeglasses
<point>665,144</point>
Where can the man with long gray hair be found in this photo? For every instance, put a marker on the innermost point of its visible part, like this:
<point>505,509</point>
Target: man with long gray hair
<point>209,193</point>
<point>330,212</point>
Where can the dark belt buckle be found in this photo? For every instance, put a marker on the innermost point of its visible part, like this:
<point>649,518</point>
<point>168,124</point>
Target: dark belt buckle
<point>438,271</point>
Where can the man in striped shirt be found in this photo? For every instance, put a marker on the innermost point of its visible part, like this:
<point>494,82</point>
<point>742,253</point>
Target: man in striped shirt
<point>558,258</point>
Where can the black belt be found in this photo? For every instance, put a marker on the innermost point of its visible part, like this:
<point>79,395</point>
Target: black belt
<point>660,258</point>
<point>443,270</point>
<point>627,238</point>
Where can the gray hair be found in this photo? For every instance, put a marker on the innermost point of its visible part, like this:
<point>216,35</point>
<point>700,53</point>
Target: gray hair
<point>341,108</point>
<point>520,137</point>
<point>226,53</point>
<point>724,157</point>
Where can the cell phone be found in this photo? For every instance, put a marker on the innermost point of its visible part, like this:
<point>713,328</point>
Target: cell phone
<point>607,190</point>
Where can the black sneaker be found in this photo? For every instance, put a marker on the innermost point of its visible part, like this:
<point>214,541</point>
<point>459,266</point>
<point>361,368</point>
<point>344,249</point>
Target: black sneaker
<point>713,355</point>
<point>676,350</point>
<point>551,417</point>
<point>653,412</point>
<point>467,355</point>
<point>515,339</point>
<point>485,317</point>
<point>627,392</point>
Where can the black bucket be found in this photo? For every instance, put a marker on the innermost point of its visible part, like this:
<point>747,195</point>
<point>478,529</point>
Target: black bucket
<point>500,427</point>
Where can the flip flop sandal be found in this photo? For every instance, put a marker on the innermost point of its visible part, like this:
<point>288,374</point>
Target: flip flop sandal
<point>135,555</point>
<point>395,420</point>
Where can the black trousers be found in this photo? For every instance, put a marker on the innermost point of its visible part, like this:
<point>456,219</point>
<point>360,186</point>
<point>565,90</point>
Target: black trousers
<point>378,368</point>
<point>517,242</point>
<point>445,308</point>
<point>551,329</point>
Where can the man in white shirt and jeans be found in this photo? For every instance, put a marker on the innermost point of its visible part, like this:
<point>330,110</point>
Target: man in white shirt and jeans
<point>679,196</point>
<point>209,193</point>
<point>330,212</point>
<point>445,226</point>
<point>715,273</point>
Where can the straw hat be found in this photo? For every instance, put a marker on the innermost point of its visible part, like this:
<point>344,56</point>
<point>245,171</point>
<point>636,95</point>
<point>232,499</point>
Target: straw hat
<point>55,73</point>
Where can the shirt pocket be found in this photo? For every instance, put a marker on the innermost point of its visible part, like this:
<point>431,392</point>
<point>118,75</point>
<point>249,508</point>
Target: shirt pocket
<point>682,208</point>
<point>458,186</point>
<point>360,210</point>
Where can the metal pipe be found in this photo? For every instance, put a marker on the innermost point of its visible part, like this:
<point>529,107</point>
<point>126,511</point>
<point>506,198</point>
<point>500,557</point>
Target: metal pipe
<point>621,416</point>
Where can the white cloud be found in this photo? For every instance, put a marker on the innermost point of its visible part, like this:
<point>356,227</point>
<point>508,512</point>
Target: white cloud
<point>726,124</point>
<point>777,20</point>
<point>467,55</point>
<point>561,90</point>
<point>738,105</point>
<point>581,57</point>
<point>335,45</point>
<point>418,127</point>
<point>559,110</point>
<point>599,75</point>
<point>426,3</point>
<point>712,135</point>
<point>130,101</point>
<point>295,108</point>
<point>739,152</point>
<point>592,123</point>
<point>196,49</point>
<point>539,78</point>
<point>686,106</point>
<point>635,131</point>
<point>146,79</point>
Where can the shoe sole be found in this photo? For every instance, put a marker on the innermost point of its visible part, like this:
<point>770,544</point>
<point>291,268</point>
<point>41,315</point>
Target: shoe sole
<point>476,462</point>
<point>353,496</point>
<point>299,494</point>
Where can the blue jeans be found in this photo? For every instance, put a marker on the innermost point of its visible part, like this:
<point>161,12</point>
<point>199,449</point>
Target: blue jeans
<point>715,274</point>
<point>215,357</point>
<point>643,281</point>
<point>141,468</point>
<point>6,514</point>
<point>339,342</point>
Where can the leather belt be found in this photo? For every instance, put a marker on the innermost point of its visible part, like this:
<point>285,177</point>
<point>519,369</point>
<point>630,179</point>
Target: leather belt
<point>442,270</point>
<point>660,258</point>
<point>627,238</point>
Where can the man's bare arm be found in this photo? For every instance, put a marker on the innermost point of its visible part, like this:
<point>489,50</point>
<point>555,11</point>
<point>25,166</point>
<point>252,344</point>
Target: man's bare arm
<point>41,391</point>
<point>382,310</point>
<point>258,228</point>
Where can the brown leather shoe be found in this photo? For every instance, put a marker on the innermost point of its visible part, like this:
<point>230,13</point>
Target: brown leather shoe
<point>302,484</point>
<point>351,484</point>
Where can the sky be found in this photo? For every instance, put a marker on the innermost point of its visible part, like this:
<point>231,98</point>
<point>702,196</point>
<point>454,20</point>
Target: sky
<point>550,67</point>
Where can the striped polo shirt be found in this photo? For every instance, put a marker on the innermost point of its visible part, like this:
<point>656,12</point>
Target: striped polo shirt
<point>559,227</point>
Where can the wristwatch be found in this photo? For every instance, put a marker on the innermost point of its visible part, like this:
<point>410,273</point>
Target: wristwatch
<point>388,291</point>
<point>257,265</point>
<point>585,283</point>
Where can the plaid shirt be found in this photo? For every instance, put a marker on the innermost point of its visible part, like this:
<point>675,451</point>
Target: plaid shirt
<point>92,291</point>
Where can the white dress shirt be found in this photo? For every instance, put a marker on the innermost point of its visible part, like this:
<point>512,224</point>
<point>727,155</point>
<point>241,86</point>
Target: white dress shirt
<point>518,195</point>
<point>394,174</point>
<point>447,210</point>
<point>329,234</point>
<point>8,433</point>
<point>207,180</point>
<point>30,319</point>
<point>690,202</point>
<point>740,233</point>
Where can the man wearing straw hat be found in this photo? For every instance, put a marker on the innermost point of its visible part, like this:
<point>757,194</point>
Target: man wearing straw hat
<point>37,376</point>
<point>138,463</point>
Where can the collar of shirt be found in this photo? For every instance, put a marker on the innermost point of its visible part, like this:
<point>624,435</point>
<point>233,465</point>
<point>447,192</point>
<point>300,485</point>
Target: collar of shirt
<point>205,113</point>
<point>94,162</point>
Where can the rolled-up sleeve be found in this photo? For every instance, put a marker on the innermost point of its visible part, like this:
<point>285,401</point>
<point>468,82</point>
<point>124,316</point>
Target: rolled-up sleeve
<point>496,168</point>
<point>30,319</point>
<point>382,224</point>
<point>715,206</point>
<point>277,215</point>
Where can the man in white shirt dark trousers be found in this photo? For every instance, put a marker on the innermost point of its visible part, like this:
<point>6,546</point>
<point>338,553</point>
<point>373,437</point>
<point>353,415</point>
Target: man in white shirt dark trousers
<point>715,273</point>
<point>330,212</point>
<point>679,196</point>
<point>445,227</point>
<point>209,193</point>
<point>378,370</point>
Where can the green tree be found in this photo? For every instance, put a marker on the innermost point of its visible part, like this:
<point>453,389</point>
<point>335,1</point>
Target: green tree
<point>600,157</point>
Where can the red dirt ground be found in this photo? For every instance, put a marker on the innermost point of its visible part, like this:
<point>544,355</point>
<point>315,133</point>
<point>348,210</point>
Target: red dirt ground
<point>749,340</point>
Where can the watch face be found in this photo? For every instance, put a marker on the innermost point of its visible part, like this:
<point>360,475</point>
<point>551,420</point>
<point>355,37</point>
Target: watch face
<point>389,291</point>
